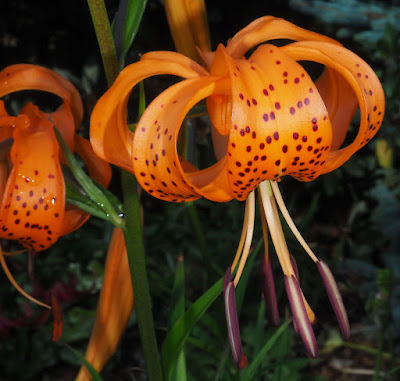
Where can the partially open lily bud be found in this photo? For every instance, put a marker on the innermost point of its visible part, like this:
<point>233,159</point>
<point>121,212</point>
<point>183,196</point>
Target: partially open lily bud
<point>114,308</point>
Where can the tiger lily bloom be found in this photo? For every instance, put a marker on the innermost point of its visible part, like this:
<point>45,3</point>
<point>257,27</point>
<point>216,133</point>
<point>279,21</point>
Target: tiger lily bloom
<point>33,210</point>
<point>269,118</point>
<point>114,308</point>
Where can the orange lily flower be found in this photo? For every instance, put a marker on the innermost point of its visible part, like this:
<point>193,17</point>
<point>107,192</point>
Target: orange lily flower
<point>33,209</point>
<point>114,308</point>
<point>270,119</point>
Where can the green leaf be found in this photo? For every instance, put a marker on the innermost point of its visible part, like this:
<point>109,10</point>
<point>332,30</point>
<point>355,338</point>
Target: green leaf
<point>126,24</point>
<point>178,293</point>
<point>178,309</point>
<point>179,333</point>
<point>96,193</point>
<point>82,202</point>
<point>250,371</point>
<point>93,373</point>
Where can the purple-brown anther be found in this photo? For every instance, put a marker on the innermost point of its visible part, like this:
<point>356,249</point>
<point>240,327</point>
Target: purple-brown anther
<point>269,292</point>
<point>295,268</point>
<point>296,273</point>
<point>335,298</point>
<point>232,322</point>
<point>300,316</point>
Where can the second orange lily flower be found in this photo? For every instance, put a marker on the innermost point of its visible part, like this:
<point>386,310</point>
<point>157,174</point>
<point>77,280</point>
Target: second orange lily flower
<point>33,209</point>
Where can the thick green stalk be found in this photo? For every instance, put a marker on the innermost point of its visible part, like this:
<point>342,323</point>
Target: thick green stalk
<point>137,265</point>
<point>102,28</point>
<point>133,227</point>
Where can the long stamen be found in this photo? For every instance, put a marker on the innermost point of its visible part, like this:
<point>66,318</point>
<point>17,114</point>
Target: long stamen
<point>326,274</point>
<point>12,253</point>
<point>242,236</point>
<point>250,204</point>
<point>289,221</point>
<point>15,284</point>
<point>278,238</point>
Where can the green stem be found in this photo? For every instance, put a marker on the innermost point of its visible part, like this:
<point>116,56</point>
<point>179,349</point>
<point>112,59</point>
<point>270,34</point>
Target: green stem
<point>133,226</point>
<point>137,265</point>
<point>102,28</point>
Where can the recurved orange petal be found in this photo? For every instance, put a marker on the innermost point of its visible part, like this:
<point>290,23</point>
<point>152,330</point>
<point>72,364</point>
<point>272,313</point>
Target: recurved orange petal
<point>20,77</point>
<point>33,203</point>
<point>28,77</point>
<point>155,158</point>
<point>109,133</point>
<point>362,80</point>
<point>266,29</point>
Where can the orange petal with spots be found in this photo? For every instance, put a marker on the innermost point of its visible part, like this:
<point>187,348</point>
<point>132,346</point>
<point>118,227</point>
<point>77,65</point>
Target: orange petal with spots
<point>155,158</point>
<point>99,171</point>
<point>362,80</point>
<point>109,133</point>
<point>266,29</point>
<point>279,121</point>
<point>33,203</point>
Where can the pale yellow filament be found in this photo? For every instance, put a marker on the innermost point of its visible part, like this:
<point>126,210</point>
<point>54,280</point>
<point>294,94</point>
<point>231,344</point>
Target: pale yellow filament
<point>289,221</point>
<point>248,228</point>
<point>10,254</point>
<point>242,236</point>
<point>275,228</point>
<point>15,284</point>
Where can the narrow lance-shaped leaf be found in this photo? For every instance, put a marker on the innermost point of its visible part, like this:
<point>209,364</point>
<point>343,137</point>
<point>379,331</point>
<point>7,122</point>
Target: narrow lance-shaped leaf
<point>177,336</point>
<point>126,24</point>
